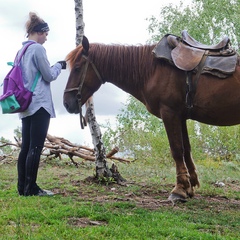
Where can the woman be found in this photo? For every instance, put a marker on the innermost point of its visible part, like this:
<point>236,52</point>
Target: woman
<point>35,120</point>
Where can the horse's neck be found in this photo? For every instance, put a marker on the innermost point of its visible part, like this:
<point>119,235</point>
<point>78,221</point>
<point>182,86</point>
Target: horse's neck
<point>136,92</point>
<point>127,67</point>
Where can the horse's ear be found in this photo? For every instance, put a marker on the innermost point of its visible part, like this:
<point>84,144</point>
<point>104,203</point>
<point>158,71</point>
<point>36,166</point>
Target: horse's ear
<point>85,45</point>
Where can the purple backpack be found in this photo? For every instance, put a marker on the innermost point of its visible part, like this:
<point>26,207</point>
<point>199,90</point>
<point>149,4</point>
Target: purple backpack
<point>16,98</point>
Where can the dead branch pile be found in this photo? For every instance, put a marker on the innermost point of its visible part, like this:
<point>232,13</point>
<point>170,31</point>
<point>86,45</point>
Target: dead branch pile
<point>55,147</point>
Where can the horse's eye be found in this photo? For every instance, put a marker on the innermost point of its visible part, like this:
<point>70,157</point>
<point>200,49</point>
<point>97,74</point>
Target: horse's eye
<point>77,69</point>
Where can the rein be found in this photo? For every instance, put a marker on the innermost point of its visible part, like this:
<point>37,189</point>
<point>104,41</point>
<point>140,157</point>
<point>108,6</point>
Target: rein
<point>79,88</point>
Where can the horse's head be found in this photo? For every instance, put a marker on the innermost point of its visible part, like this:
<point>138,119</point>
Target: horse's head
<point>84,78</point>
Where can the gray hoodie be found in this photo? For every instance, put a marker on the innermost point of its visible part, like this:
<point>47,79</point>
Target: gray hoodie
<point>34,60</point>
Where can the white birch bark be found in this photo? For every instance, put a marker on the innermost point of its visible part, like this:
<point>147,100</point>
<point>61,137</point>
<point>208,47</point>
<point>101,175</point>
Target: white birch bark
<point>102,169</point>
<point>79,21</point>
<point>100,154</point>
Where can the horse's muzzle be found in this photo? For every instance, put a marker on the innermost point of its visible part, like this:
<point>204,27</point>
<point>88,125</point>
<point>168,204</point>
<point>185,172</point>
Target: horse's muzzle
<point>71,108</point>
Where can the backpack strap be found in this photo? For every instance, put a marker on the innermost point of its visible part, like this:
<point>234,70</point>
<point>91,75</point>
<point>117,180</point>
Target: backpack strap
<point>18,61</point>
<point>18,58</point>
<point>35,81</point>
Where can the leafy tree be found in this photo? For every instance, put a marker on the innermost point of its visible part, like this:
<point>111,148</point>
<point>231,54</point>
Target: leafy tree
<point>220,143</point>
<point>138,133</point>
<point>142,135</point>
<point>5,149</point>
<point>18,133</point>
<point>206,20</point>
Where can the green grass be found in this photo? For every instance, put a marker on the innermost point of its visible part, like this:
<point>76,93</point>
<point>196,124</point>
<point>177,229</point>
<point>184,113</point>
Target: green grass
<point>213,214</point>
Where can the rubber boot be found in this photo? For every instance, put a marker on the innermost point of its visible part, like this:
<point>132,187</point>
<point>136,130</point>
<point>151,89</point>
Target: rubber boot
<point>31,170</point>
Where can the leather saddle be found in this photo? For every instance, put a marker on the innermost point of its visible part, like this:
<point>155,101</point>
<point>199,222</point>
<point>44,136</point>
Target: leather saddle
<point>194,43</point>
<point>186,54</point>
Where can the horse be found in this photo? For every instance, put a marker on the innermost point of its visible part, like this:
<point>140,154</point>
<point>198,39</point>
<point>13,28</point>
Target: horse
<point>161,87</point>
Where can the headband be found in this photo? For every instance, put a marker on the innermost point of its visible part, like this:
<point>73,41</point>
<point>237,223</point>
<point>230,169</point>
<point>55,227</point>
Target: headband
<point>41,27</point>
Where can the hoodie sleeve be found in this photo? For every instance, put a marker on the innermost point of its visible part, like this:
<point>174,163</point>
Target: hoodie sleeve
<point>49,73</point>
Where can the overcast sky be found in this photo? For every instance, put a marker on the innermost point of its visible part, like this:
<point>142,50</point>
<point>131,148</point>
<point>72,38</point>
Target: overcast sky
<point>106,21</point>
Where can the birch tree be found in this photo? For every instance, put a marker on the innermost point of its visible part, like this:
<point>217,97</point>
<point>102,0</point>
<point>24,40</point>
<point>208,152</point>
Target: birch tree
<point>102,170</point>
<point>79,21</point>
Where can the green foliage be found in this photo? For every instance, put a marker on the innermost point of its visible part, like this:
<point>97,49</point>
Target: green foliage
<point>220,143</point>
<point>5,149</point>
<point>207,20</point>
<point>18,133</point>
<point>138,134</point>
<point>106,180</point>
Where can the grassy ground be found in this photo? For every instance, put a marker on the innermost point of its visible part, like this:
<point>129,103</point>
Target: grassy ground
<point>82,209</point>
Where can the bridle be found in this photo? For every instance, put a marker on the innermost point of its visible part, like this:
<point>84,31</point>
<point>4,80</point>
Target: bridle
<point>79,88</point>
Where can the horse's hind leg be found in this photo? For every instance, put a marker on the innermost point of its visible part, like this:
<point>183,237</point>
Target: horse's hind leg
<point>173,126</point>
<point>188,158</point>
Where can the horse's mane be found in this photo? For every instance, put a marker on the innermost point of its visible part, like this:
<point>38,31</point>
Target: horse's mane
<point>72,57</point>
<point>121,62</point>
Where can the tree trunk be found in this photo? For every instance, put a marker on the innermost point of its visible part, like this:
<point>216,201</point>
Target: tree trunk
<point>102,170</point>
<point>103,173</point>
<point>79,21</point>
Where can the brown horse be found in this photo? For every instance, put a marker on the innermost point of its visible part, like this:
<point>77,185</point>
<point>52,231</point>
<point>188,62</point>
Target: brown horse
<point>161,87</point>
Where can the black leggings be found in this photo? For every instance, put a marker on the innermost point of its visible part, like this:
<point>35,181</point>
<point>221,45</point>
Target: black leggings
<point>34,132</point>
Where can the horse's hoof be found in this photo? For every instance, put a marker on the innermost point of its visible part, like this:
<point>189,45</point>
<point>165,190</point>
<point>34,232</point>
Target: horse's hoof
<point>174,198</point>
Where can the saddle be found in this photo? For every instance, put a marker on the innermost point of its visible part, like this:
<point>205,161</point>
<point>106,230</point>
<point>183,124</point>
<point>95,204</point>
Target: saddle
<point>190,55</point>
<point>194,43</point>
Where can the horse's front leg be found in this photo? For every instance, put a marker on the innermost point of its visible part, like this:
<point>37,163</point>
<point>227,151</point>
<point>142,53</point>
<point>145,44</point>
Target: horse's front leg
<point>173,126</point>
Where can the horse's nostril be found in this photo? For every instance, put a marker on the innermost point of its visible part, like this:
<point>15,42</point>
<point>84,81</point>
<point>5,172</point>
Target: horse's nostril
<point>66,105</point>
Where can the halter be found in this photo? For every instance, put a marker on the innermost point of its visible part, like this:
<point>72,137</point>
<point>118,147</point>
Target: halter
<point>79,88</point>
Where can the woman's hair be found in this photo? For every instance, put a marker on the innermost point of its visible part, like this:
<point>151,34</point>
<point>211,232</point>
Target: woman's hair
<point>32,22</point>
